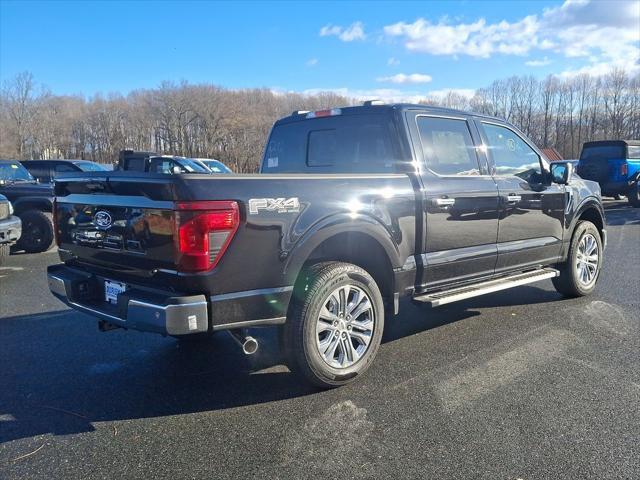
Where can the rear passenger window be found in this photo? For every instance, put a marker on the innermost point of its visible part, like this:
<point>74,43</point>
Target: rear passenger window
<point>41,173</point>
<point>447,146</point>
<point>61,168</point>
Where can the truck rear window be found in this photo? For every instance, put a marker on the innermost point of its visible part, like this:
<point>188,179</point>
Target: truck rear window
<point>602,152</point>
<point>339,144</point>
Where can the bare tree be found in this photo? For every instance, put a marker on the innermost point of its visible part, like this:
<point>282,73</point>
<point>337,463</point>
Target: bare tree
<point>232,125</point>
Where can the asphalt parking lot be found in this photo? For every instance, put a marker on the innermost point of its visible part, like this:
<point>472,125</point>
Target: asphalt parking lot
<point>520,384</point>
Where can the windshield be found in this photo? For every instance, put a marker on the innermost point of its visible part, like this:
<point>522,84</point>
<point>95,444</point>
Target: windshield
<point>90,167</point>
<point>216,166</point>
<point>190,166</point>
<point>602,152</point>
<point>14,172</point>
<point>167,165</point>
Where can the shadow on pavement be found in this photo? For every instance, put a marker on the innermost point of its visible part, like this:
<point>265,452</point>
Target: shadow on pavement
<point>59,374</point>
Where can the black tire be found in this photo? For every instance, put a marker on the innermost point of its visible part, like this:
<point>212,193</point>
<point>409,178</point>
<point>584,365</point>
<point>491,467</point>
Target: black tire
<point>633,195</point>
<point>300,337</point>
<point>4,252</point>
<point>568,282</point>
<point>37,231</point>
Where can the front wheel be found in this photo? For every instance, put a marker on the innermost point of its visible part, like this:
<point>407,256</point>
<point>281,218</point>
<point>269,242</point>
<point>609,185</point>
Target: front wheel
<point>580,272</point>
<point>335,323</point>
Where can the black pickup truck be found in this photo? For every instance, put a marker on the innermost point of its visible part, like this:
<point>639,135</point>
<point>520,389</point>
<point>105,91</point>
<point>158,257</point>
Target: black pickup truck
<point>353,209</point>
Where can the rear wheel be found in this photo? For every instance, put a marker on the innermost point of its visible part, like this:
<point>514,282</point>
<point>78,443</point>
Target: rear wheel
<point>580,272</point>
<point>335,324</point>
<point>37,231</point>
<point>633,195</point>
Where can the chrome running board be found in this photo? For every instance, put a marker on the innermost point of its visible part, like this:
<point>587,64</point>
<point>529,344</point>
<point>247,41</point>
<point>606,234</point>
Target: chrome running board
<point>461,293</point>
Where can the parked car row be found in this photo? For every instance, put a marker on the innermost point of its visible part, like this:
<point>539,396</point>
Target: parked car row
<point>26,191</point>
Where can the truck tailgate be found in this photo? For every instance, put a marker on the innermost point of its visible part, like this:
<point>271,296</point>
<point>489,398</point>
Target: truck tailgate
<point>117,221</point>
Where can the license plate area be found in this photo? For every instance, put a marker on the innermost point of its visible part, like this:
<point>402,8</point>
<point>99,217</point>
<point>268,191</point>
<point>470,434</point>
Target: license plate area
<point>112,290</point>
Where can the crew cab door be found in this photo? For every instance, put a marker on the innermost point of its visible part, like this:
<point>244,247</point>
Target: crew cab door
<point>459,198</point>
<point>531,207</point>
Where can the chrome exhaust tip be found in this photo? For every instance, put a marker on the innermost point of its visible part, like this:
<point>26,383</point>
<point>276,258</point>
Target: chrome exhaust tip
<point>248,344</point>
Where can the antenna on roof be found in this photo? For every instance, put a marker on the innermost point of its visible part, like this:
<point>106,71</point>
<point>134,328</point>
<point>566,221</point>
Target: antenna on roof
<point>369,103</point>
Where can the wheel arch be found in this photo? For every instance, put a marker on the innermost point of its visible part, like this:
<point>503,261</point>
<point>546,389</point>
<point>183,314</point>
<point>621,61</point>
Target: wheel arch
<point>362,241</point>
<point>23,204</point>
<point>593,212</point>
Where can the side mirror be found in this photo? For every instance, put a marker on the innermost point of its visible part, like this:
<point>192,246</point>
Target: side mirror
<point>176,170</point>
<point>561,172</point>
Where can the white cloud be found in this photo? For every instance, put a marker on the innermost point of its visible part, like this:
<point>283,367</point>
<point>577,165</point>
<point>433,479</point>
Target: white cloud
<point>477,39</point>
<point>312,62</point>
<point>392,62</point>
<point>403,78</point>
<point>355,31</point>
<point>601,34</point>
<point>538,63</point>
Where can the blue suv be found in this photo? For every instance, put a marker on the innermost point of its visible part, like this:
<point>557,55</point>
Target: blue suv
<point>615,165</point>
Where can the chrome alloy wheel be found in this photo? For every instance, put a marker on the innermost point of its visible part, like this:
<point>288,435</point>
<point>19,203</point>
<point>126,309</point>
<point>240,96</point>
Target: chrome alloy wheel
<point>345,326</point>
<point>587,260</point>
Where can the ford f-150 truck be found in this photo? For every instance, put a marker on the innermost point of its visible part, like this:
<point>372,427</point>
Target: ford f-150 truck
<point>353,209</point>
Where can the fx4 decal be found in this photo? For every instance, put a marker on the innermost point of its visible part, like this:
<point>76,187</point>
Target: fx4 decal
<point>280,205</point>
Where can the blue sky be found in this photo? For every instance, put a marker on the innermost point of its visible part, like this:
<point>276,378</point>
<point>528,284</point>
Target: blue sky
<point>395,49</point>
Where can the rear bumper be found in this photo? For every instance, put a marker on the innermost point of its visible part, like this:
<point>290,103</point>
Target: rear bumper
<point>136,309</point>
<point>168,313</point>
<point>10,230</point>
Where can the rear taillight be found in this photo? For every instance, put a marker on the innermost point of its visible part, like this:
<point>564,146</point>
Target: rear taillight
<point>203,233</point>
<point>624,169</point>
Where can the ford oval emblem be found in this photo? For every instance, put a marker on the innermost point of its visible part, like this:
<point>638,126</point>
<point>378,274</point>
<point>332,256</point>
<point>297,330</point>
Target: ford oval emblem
<point>102,219</point>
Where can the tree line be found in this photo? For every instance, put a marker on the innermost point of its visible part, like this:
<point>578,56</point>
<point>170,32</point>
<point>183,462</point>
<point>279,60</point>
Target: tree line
<point>232,125</point>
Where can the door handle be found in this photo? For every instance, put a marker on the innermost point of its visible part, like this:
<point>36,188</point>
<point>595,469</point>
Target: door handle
<point>444,202</point>
<point>513,198</point>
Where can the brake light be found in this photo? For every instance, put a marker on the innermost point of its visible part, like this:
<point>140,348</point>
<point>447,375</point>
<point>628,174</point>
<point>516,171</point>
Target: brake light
<point>324,113</point>
<point>624,169</point>
<point>203,233</point>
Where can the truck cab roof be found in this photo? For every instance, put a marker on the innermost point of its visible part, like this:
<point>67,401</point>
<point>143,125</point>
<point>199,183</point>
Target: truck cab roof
<point>377,108</point>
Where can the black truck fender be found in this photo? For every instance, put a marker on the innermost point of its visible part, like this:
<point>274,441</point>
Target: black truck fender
<point>361,240</point>
<point>22,204</point>
<point>589,208</point>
